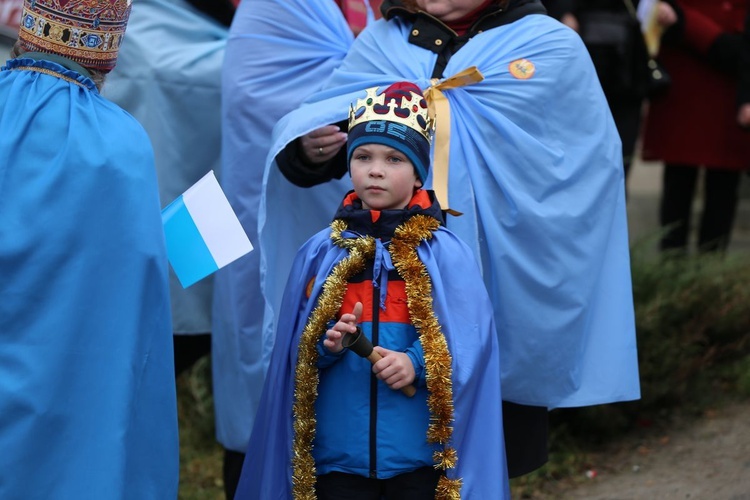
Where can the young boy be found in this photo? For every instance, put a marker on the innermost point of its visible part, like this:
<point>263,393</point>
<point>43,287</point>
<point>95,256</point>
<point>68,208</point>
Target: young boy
<point>331,425</point>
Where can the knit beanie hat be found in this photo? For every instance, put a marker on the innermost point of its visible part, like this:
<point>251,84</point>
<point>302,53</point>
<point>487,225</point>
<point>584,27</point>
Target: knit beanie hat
<point>397,118</point>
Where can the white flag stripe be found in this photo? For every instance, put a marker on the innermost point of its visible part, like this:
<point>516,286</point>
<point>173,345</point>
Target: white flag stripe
<point>216,221</point>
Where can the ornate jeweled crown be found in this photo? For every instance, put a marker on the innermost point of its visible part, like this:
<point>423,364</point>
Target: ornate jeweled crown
<point>412,111</point>
<point>87,31</point>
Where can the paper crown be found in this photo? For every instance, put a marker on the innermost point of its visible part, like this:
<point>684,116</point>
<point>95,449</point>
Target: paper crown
<point>88,32</point>
<point>412,110</point>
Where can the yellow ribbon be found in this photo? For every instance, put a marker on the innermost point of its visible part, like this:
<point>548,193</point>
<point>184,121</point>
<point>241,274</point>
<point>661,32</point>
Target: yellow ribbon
<point>439,107</point>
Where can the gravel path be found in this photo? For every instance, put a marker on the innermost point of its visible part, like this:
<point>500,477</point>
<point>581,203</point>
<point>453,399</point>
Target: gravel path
<point>708,458</point>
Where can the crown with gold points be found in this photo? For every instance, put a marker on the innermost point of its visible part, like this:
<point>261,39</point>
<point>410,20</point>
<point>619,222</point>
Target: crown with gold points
<point>402,106</point>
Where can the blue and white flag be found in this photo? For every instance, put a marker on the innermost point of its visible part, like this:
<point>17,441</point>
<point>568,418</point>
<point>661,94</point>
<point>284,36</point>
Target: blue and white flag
<point>202,231</point>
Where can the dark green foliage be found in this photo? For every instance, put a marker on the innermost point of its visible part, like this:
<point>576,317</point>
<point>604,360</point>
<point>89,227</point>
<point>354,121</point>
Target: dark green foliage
<point>693,322</point>
<point>693,331</point>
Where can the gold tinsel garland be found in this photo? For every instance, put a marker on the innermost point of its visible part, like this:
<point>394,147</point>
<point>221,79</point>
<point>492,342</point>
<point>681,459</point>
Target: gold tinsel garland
<point>436,354</point>
<point>437,357</point>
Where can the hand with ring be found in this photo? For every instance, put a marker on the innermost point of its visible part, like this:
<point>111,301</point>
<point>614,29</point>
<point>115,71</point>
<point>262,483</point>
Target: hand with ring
<point>322,144</point>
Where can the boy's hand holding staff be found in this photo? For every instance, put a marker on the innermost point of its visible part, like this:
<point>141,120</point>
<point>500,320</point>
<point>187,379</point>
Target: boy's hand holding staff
<point>346,333</point>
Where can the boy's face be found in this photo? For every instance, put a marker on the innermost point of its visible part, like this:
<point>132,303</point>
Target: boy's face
<point>383,177</point>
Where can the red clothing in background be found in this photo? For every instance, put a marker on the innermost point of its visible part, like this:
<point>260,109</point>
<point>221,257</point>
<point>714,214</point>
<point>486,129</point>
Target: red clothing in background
<point>355,13</point>
<point>695,122</point>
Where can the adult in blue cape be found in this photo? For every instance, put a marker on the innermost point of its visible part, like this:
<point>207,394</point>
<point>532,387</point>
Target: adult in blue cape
<point>278,53</point>
<point>87,395</point>
<point>533,161</point>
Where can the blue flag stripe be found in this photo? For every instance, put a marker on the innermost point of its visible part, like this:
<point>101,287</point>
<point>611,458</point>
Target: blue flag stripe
<point>187,251</point>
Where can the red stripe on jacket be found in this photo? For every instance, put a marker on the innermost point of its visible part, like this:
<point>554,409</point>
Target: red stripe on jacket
<point>396,308</point>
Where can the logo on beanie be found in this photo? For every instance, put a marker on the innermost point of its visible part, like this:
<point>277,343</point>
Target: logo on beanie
<point>400,106</point>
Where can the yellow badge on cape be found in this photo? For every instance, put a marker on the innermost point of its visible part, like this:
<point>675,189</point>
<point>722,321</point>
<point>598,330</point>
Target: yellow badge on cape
<point>523,69</point>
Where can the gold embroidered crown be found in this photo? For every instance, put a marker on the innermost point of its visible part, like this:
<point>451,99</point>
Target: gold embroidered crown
<point>88,32</point>
<point>412,111</point>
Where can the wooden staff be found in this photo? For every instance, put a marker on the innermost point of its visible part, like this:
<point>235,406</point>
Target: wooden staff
<point>362,346</point>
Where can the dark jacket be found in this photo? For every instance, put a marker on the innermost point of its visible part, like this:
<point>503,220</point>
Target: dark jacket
<point>612,35</point>
<point>221,10</point>
<point>363,426</point>
<point>743,93</point>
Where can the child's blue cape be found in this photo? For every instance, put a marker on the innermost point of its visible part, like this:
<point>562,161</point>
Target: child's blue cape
<point>463,310</point>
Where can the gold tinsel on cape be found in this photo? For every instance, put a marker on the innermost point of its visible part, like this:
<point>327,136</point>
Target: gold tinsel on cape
<point>403,251</point>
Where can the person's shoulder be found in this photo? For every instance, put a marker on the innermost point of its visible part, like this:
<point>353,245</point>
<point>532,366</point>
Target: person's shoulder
<point>324,235</point>
<point>451,246</point>
<point>538,28</point>
<point>451,258</point>
<point>122,133</point>
<point>542,34</point>
<point>314,253</point>
<point>117,117</point>
<point>381,27</point>
<point>546,28</point>
<point>317,242</point>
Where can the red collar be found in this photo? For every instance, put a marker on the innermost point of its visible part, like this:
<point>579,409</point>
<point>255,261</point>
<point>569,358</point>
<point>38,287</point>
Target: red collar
<point>421,198</point>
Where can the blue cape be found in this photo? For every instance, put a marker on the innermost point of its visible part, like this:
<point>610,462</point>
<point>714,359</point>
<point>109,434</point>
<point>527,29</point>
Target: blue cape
<point>278,53</point>
<point>168,76</point>
<point>464,312</point>
<point>535,168</point>
<point>87,394</point>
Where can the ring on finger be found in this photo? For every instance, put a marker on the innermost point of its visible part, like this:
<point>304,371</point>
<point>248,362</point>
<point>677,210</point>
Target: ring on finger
<point>320,151</point>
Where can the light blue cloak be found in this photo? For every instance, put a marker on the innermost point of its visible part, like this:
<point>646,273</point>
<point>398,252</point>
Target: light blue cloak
<point>168,76</point>
<point>87,394</point>
<point>535,167</point>
<point>278,53</point>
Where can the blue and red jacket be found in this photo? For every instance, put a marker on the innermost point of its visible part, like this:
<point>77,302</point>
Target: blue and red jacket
<point>363,426</point>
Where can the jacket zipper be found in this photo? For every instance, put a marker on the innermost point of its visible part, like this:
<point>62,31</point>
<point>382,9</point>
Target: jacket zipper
<point>374,387</point>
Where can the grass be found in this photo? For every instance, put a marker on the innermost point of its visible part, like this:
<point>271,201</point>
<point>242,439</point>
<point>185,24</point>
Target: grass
<point>200,455</point>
